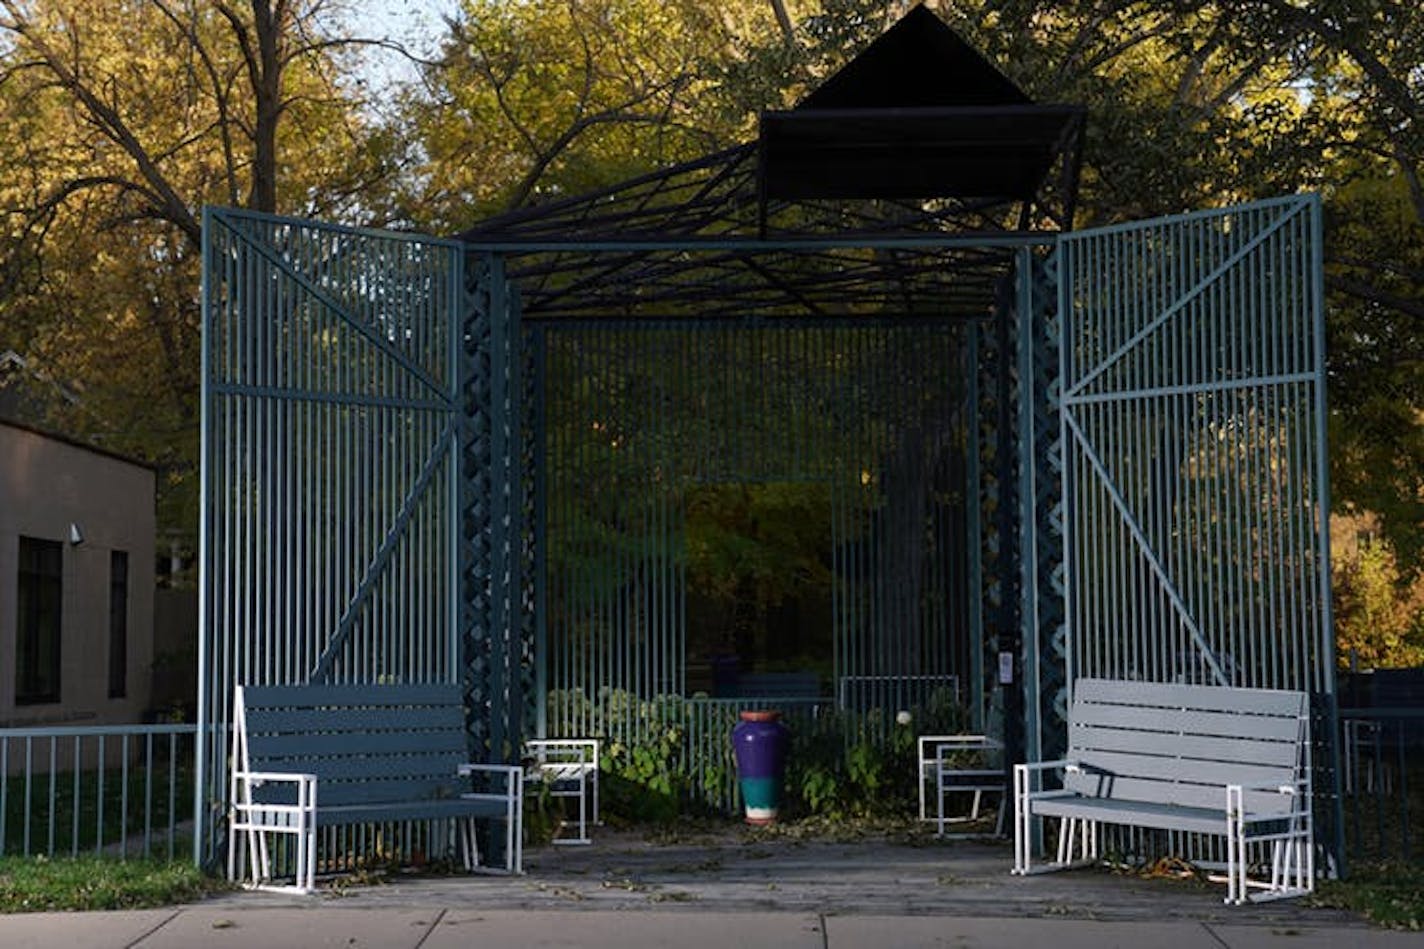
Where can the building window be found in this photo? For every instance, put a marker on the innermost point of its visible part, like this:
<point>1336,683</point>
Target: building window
<point>118,624</point>
<point>38,621</point>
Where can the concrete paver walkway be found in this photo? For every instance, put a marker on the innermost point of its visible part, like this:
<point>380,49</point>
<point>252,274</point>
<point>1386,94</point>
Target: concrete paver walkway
<point>727,888</point>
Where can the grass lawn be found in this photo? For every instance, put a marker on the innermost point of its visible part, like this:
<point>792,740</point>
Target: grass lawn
<point>1389,895</point>
<point>39,884</point>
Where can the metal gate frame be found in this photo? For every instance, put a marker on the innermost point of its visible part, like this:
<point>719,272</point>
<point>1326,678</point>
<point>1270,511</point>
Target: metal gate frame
<point>1195,505</point>
<point>356,517</point>
<point>478,625</point>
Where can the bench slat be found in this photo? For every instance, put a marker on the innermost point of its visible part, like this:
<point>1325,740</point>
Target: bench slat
<point>1136,788</point>
<point>334,792</point>
<point>1197,697</point>
<point>1224,723</point>
<point>338,814</point>
<point>296,745</point>
<point>1204,820</point>
<point>274,720</point>
<point>1084,740</point>
<point>351,695</point>
<point>414,810</point>
<point>353,767</point>
<point>1187,771</point>
<point>423,787</point>
<point>337,793</point>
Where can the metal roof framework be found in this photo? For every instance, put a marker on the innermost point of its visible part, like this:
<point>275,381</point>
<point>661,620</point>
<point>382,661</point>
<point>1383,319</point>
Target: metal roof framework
<point>900,186</point>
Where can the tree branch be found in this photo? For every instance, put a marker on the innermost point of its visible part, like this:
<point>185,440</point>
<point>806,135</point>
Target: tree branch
<point>1368,292</point>
<point>168,204</point>
<point>546,157</point>
<point>220,98</point>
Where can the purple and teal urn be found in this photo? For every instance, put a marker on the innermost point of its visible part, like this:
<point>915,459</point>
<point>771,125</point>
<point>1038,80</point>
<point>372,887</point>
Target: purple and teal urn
<point>759,742</point>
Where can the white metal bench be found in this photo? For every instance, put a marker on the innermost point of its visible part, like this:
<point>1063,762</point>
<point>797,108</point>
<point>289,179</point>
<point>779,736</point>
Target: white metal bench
<point>1189,758</point>
<point>569,768</point>
<point>314,756</point>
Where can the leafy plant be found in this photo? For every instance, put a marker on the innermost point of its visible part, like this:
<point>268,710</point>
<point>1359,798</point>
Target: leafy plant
<point>841,764</point>
<point>541,816</point>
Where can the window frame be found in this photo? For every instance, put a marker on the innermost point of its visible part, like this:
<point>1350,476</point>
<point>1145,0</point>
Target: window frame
<point>119,584</point>
<point>39,620</point>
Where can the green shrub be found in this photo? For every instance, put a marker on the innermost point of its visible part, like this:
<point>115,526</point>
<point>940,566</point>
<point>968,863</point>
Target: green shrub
<point>670,757</point>
<point>863,765</point>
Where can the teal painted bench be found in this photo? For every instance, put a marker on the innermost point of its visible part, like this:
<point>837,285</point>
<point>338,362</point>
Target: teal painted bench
<point>308,757</point>
<point>1228,762</point>
<point>778,685</point>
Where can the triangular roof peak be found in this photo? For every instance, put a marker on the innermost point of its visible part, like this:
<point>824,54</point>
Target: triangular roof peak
<point>917,63</point>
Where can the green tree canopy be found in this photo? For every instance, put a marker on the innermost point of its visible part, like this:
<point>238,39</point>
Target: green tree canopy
<point>121,119</point>
<point>118,122</point>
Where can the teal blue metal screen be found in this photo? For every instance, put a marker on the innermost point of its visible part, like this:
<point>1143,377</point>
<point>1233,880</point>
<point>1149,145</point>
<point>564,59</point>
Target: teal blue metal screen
<point>872,417</point>
<point>1195,485</point>
<point>1117,471</point>
<point>332,416</point>
<point>1192,409</point>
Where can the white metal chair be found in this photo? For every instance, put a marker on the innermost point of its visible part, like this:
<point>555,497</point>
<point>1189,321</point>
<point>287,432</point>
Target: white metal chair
<point>928,758</point>
<point>1362,758</point>
<point>969,764</point>
<point>569,768</point>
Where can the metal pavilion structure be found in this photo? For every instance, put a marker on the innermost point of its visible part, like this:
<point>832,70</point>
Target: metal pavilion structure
<point>1036,453</point>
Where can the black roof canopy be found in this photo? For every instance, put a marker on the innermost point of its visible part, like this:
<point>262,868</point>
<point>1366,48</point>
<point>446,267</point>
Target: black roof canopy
<point>918,135</point>
<point>919,63</point>
<point>917,114</point>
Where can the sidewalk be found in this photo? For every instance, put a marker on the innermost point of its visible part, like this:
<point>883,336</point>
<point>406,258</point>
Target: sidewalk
<point>325,927</point>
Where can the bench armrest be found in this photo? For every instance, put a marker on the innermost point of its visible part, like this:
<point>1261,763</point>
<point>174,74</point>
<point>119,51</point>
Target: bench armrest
<point>1046,765</point>
<point>1024,780</point>
<point>1293,788</point>
<point>584,746</point>
<point>1293,802</point>
<point>262,777</point>
<point>563,756</point>
<point>1284,789</point>
<point>510,772</point>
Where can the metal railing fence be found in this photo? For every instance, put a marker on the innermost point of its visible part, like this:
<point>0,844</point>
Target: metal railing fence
<point>122,790</point>
<point>1382,784</point>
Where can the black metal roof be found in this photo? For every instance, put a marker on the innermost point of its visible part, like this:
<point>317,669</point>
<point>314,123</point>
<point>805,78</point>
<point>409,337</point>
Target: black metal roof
<point>917,135</point>
<point>918,63</point>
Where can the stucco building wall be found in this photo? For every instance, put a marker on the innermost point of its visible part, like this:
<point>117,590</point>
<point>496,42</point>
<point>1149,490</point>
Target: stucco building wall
<point>48,483</point>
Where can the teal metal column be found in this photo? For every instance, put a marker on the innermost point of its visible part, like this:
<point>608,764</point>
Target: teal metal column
<point>1040,492</point>
<point>538,525</point>
<point>1328,705</point>
<point>1025,334</point>
<point>974,533</point>
<point>491,504</point>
